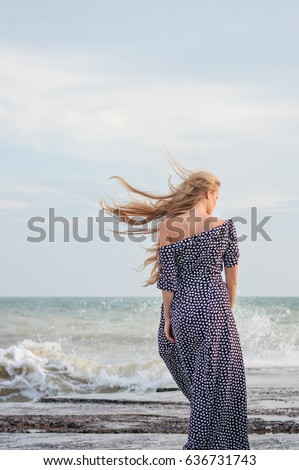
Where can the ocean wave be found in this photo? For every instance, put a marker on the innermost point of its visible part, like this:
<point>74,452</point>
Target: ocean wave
<point>268,337</point>
<point>102,350</point>
<point>31,370</point>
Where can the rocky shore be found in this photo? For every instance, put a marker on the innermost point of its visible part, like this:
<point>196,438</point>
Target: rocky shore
<point>124,423</point>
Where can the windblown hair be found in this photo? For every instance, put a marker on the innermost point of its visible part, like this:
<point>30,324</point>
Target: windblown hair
<point>178,201</point>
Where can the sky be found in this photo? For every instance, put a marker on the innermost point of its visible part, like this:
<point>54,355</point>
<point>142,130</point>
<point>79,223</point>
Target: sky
<point>91,89</point>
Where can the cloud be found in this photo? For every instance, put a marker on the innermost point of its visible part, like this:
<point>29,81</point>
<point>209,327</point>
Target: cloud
<point>66,104</point>
<point>32,190</point>
<point>263,200</point>
<point>65,201</point>
<point>286,205</point>
<point>12,204</point>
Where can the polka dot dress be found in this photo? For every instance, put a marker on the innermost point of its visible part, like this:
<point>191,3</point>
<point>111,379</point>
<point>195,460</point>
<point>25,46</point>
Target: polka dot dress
<point>206,359</point>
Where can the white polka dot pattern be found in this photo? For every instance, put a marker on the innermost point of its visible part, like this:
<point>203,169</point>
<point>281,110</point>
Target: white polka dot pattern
<point>206,359</point>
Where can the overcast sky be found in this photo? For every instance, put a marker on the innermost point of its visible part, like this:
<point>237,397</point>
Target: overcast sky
<point>91,89</point>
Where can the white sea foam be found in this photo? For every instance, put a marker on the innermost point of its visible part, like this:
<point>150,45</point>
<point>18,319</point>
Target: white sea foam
<point>268,337</point>
<point>31,370</point>
<point>65,346</point>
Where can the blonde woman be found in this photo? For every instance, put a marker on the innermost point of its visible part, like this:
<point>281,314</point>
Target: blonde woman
<point>197,335</point>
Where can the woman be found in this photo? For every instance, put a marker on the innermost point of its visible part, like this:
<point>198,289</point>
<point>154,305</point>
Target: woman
<point>197,336</point>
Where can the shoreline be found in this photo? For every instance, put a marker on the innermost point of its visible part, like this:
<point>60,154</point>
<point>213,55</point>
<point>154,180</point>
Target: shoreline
<point>108,422</point>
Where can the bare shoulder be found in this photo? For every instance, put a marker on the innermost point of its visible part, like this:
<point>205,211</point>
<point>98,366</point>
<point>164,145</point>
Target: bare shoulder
<point>220,221</point>
<point>214,222</point>
<point>164,232</point>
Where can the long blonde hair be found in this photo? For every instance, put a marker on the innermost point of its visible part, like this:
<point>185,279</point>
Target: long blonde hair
<point>179,200</point>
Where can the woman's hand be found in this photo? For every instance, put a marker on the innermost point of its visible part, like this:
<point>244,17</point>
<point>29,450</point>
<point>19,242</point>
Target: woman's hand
<point>168,330</point>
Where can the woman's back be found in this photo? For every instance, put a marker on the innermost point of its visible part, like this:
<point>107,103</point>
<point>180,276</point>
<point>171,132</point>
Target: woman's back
<point>206,358</point>
<point>198,256</point>
<point>187,225</point>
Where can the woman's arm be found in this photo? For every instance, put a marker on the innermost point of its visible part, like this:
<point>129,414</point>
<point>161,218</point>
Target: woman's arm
<point>231,279</point>
<point>167,295</point>
<point>167,299</point>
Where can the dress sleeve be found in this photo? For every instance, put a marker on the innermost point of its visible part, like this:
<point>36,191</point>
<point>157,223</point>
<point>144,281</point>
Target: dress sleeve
<point>231,255</point>
<point>167,269</point>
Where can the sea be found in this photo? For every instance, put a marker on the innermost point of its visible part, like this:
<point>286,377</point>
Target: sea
<point>102,345</point>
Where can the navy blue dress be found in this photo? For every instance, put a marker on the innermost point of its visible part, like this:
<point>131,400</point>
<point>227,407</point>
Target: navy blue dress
<point>206,360</point>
